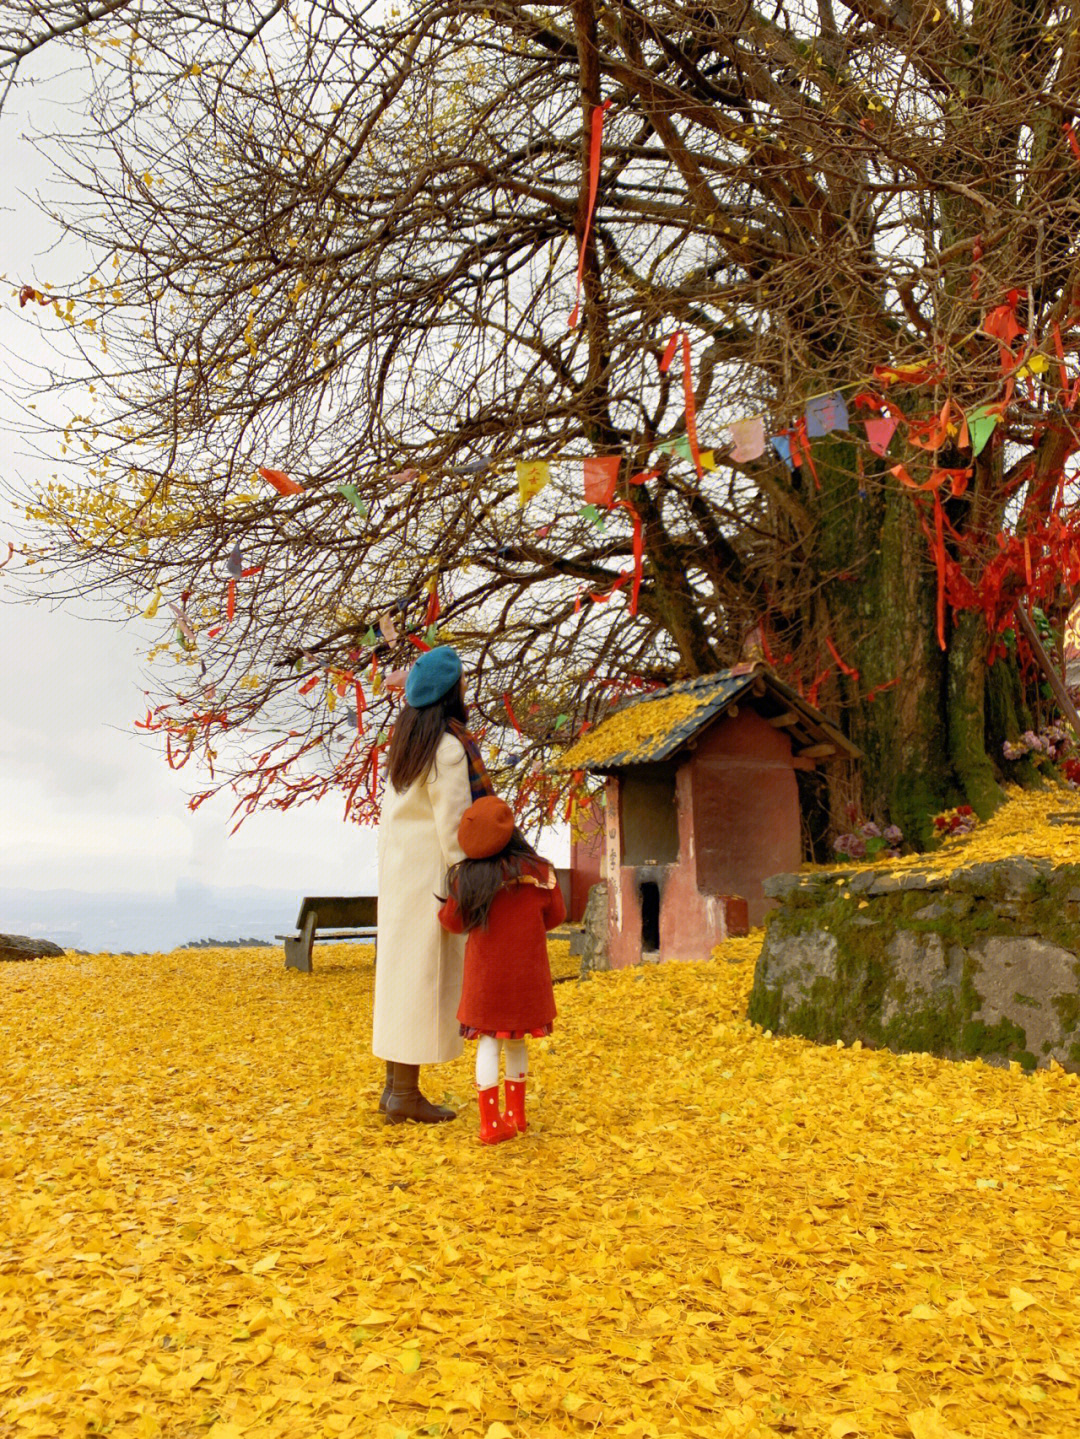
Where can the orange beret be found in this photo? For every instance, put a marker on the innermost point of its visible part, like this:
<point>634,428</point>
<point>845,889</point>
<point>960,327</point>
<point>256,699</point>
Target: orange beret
<point>486,827</point>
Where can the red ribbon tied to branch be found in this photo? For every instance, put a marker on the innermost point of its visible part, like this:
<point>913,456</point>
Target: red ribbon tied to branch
<point>688,393</point>
<point>595,141</point>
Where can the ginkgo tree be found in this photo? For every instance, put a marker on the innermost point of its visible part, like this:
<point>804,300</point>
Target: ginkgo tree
<point>373,284</point>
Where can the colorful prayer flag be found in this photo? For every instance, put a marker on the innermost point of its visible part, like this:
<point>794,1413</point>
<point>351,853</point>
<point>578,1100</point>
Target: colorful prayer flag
<point>879,433</point>
<point>532,476</point>
<point>825,413</point>
<point>280,481</point>
<point>601,474</point>
<point>747,440</point>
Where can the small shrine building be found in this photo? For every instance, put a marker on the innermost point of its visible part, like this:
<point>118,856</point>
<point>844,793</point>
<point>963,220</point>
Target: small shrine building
<point>701,806</point>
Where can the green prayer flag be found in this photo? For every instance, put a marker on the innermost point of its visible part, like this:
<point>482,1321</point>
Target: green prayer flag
<point>981,425</point>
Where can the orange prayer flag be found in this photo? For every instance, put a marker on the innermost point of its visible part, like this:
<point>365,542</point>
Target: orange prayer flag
<point>280,481</point>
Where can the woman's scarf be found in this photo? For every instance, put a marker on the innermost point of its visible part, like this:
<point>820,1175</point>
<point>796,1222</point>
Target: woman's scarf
<point>479,780</point>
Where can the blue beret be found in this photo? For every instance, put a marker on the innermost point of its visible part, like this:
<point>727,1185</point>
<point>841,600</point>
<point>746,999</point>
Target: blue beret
<point>433,675</point>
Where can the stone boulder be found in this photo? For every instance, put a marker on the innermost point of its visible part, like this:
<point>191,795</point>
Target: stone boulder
<point>981,962</point>
<point>21,946</point>
<point>594,923</point>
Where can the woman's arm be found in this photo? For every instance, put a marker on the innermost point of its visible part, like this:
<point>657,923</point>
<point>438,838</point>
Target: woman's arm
<point>448,790</point>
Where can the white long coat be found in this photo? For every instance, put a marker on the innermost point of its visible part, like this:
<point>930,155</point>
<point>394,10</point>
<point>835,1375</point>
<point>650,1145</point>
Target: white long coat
<point>419,965</point>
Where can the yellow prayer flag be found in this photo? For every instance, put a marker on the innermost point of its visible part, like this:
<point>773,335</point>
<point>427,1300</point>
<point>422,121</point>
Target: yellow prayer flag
<point>532,476</point>
<point>152,607</point>
<point>708,460</point>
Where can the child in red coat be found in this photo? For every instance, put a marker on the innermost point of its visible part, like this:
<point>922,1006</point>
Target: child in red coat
<point>505,898</point>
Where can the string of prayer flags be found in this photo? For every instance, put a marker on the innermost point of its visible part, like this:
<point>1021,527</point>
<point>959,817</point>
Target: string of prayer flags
<point>532,476</point>
<point>280,481</point>
<point>601,473</point>
<point>152,608</point>
<point>387,628</point>
<point>350,493</point>
<point>825,413</point>
<point>689,408</point>
<point>748,440</point>
<point>596,134</point>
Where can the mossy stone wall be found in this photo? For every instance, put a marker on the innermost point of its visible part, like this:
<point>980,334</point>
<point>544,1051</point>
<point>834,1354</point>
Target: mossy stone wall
<point>982,962</point>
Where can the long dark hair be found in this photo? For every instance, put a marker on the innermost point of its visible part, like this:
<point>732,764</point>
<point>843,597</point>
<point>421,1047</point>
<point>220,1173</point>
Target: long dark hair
<point>474,883</point>
<point>417,734</point>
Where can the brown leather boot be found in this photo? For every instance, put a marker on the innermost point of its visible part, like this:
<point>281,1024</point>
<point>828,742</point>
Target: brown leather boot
<point>406,1101</point>
<point>389,1086</point>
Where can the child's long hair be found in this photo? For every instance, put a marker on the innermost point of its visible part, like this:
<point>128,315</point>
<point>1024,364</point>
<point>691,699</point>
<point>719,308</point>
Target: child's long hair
<point>474,883</point>
<point>417,734</point>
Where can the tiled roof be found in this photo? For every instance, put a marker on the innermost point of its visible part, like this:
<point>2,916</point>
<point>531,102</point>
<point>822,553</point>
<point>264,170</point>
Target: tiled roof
<point>652,729</point>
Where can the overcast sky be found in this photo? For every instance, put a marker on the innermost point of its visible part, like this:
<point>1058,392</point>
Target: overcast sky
<point>86,802</point>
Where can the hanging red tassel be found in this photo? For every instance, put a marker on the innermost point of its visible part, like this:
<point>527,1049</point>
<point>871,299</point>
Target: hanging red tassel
<point>639,549</point>
<point>595,141</point>
<point>689,406</point>
<point>854,674</point>
<point>510,711</point>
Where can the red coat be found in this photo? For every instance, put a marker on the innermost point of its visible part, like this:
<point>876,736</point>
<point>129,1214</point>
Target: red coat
<point>507,986</point>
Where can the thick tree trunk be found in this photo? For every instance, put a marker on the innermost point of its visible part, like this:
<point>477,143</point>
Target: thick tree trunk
<point>925,738</point>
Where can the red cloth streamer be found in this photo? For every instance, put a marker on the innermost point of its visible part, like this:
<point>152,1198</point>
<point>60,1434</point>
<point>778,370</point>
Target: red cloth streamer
<point>230,600</point>
<point>510,711</point>
<point>689,407</point>
<point>639,546</point>
<point>433,607</point>
<point>595,141</point>
<point>601,474</point>
<point>836,656</point>
<point>799,441</point>
<point>361,706</point>
<point>309,685</point>
<point>1070,135</point>
<point>280,481</point>
<point>418,642</point>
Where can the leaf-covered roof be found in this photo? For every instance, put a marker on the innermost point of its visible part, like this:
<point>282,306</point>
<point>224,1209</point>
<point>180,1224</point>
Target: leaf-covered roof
<point>654,728</point>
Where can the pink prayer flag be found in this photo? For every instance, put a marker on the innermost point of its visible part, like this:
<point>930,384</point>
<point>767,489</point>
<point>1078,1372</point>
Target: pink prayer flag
<point>747,440</point>
<point>395,679</point>
<point>879,432</point>
<point>387,628</point>
<point>405,477</point>
<point>601,477</point>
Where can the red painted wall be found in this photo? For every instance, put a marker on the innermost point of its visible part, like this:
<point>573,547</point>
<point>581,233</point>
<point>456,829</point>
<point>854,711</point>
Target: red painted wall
<point>737,807</point>
<point>745,801</point>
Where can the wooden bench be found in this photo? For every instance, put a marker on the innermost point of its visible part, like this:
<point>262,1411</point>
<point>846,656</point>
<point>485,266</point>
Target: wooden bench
<point>328,918</point>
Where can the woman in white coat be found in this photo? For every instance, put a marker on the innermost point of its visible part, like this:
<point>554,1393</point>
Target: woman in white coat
<point>433,769</point>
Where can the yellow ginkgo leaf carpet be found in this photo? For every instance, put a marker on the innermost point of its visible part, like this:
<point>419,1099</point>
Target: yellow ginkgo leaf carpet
<point>206,1231</point>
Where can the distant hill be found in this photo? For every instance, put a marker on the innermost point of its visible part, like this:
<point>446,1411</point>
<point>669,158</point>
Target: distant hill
<point>146,923</point>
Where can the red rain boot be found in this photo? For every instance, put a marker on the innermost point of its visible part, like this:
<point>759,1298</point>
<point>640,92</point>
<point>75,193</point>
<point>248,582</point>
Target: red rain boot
<point>493,1126</point>
<point>515,1104</point>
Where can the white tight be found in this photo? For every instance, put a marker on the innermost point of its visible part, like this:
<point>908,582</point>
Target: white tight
<point>487,1060</point>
